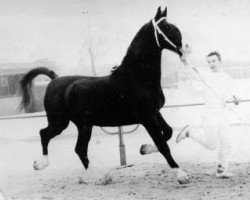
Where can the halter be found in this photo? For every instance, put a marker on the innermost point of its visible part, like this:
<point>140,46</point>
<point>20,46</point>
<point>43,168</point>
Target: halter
<point>158,30</point>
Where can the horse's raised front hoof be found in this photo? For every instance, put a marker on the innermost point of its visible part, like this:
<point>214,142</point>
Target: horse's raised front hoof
<point>41,164</point>
<point>148,149</point>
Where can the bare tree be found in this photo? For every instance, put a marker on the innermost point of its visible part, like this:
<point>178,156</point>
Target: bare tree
<point>90,46</point>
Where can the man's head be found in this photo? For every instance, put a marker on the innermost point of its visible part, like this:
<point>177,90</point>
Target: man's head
<point>214,61</point>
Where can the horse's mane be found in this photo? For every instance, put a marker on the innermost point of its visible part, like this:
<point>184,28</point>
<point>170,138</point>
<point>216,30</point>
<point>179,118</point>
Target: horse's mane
<point>128,59</point>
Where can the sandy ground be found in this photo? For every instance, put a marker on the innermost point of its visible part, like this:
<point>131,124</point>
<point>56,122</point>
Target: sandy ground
<point>149,177</point>
<point>143,181</point>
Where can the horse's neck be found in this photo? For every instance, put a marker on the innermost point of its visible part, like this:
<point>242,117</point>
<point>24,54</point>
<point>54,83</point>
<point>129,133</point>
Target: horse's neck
<point>143,59</point>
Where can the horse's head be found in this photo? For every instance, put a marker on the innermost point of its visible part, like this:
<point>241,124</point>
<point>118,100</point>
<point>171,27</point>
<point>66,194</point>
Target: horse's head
<point>167,35</point>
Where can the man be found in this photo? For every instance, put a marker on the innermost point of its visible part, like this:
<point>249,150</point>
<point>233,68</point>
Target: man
<point>216,87</point>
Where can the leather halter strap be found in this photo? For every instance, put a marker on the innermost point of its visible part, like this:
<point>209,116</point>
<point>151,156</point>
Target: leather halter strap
<point>157,31</point>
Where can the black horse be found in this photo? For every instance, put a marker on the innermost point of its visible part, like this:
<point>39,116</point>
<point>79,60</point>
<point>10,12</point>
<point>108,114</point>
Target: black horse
<point>131,94</point>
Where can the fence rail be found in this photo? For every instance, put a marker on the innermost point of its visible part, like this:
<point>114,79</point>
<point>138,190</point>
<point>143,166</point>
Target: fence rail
<point>42,114</point>
<point>24,116</point>
<point>120,131</point>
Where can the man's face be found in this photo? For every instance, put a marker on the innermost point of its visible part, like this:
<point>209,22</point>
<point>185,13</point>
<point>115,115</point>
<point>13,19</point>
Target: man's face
<point>214,63</point>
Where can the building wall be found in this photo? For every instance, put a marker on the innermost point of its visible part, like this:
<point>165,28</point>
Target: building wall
<point>9,85</point>
<point>11,105</point>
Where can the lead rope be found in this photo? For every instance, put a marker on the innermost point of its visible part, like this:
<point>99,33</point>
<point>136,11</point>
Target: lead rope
<point>187,63</point>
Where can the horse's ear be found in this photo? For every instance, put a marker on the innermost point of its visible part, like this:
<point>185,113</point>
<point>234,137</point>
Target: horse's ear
<point>158,14</point>
<point>164,13</point>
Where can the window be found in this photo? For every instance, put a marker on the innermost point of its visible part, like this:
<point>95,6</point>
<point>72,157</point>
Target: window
<point>4,81</point>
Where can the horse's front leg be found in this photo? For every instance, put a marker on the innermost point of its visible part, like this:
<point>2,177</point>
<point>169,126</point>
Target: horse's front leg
<point>152,125</point>
<point>166,131</point>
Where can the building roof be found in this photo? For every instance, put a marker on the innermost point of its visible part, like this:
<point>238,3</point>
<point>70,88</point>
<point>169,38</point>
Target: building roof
<point>17,68</point>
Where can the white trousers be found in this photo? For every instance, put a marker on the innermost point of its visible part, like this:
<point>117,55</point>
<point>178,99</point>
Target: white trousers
<point>216,128</point>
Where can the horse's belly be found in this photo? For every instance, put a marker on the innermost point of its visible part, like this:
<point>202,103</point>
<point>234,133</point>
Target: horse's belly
<point>110,118</point>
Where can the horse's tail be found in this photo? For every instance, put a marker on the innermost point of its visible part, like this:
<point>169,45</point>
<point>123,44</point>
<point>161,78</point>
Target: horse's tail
<point>26,85</point>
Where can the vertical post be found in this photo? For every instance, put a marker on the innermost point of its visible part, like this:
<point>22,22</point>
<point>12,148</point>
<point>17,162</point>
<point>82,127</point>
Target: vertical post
<point>122,147</point>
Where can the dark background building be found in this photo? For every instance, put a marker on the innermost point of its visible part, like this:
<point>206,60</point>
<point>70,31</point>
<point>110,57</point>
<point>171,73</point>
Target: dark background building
<point>10,76</point>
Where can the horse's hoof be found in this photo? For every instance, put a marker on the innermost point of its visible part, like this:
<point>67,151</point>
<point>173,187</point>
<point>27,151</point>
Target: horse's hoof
<point>184,180</point>
<point>41,164</point>
<point>183,177</point>
<point>147,149</point>
<point>106,179</point>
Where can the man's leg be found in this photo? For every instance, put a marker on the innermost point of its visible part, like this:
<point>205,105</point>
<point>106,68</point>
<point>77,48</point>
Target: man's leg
<point>207,137</point>
<point>224,151</point>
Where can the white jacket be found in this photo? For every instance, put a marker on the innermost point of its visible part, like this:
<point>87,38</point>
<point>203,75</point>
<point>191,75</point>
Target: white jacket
<point>216,87</point>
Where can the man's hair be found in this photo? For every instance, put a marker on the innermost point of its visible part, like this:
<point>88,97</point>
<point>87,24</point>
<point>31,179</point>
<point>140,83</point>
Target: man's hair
<point>214,53</point>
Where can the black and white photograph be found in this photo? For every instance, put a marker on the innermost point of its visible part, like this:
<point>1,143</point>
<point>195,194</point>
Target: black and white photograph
<point>124,100</point>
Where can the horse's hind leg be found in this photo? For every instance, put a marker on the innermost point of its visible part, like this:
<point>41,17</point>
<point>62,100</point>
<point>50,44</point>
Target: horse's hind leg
<point>102,177</point>
<point>54,128</point>
<point>81,149</point>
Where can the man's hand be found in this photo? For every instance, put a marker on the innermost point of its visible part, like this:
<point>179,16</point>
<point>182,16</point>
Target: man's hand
<point>185,51</point>
<point>236,100</point>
